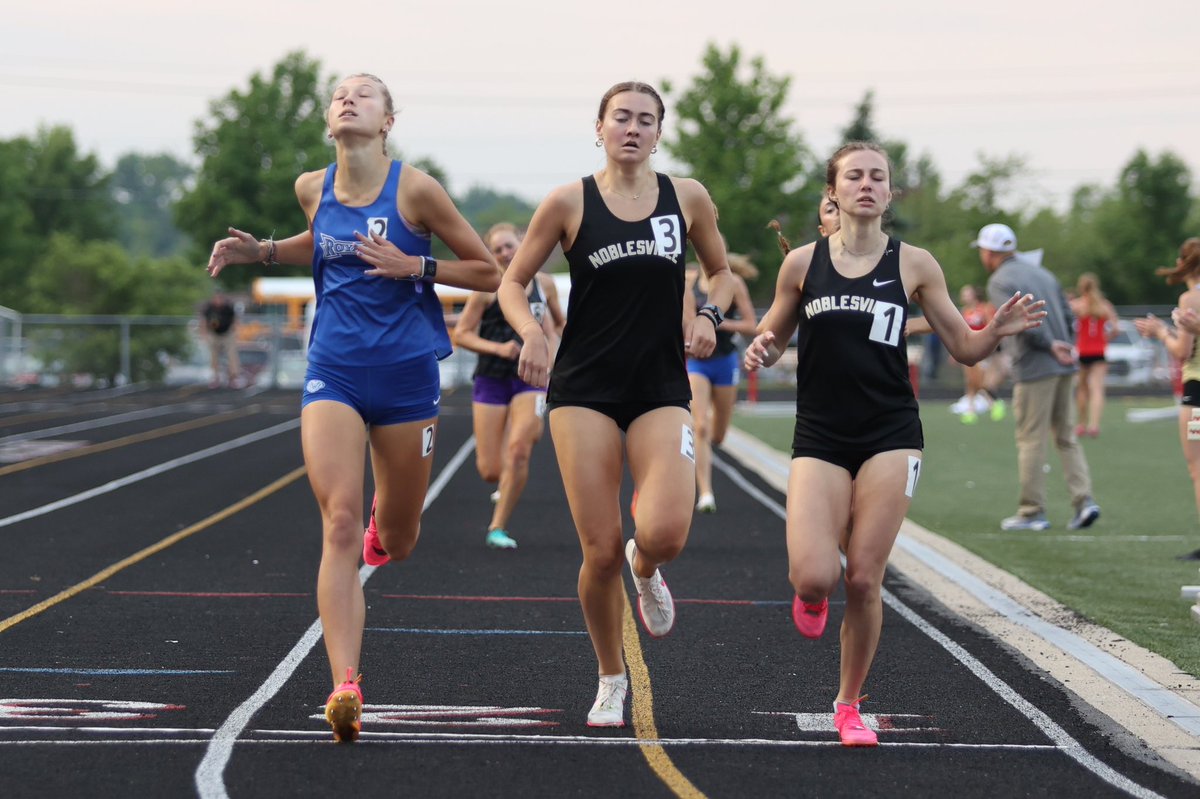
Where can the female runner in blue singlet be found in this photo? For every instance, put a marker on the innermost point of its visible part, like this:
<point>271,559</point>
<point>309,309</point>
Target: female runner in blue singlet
<point>377,336</point>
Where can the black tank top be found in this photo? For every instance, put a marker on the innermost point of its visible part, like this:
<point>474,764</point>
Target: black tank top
<point>853,390</point>
<point>494,327</point>
<point>724,337</point>
<point>623,341</point>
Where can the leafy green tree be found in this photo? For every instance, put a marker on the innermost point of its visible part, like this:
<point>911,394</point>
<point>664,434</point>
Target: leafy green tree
<point>252,147</point>
<point>47,186</point>
<point>732,135</point>
<point>484,207</point>
<point>1142,226</point>
<point>75,277</point>
<point>145,188</point>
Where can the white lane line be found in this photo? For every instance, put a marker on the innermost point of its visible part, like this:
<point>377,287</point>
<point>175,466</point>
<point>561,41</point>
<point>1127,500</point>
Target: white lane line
<point>210,775</point>
<point>153,471</point>
<point>322,737</point>
<point>91,424</point>
<point>1168,704</point>
<point>1053,731</point>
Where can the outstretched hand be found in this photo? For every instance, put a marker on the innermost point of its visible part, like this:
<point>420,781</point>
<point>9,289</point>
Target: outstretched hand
<point>239,248</point>
<point>759,352</point>
<point>1022,312</point>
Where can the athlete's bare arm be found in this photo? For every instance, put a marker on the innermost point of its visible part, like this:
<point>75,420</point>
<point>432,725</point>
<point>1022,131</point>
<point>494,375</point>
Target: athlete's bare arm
<point>919,270</point>
<point>700,335</point>
<point>781,319</point>
<point>556,221</point>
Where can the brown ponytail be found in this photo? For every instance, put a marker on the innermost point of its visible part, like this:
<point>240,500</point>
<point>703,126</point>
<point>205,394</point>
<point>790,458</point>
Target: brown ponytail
<point>1189,263</point>
<point>783,243</point>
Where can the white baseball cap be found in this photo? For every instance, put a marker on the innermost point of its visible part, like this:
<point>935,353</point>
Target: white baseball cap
<point>997,238</point>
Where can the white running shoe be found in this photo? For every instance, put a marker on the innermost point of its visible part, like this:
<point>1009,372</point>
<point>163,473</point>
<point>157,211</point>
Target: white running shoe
<point>655,605</point>
<point>609,708</point>
<point>495,497</point>
<point>707,503</point>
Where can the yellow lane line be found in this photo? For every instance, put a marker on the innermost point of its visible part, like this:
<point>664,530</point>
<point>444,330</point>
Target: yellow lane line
<point>643,714</point>
<point>137,557</point>
<point>136,438</point>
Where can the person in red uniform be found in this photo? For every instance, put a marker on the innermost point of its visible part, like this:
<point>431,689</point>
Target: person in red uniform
<point>1095,325</point>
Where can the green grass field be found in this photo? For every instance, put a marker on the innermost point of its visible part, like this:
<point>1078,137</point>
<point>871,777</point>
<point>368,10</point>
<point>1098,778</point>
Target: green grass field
<point>1122,572</point>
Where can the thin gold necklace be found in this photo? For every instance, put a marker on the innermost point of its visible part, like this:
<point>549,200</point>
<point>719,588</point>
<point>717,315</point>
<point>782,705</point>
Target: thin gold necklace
<point>626,196</point>
<point>842,239</point>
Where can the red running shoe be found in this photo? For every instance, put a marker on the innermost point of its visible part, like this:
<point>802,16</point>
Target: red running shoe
<point>373,552</point>
<point>343,709</point>
<point>810,619</point>
<point>850,725</point>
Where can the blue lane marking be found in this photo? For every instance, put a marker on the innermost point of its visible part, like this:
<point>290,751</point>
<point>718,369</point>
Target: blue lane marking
<point>422,631</point>
<point>113,672</point>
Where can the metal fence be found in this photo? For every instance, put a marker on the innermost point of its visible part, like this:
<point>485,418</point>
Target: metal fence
<point>101,350</point>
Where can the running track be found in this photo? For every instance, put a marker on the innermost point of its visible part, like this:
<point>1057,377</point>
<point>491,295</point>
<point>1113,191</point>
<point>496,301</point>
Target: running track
<point>158,638</point>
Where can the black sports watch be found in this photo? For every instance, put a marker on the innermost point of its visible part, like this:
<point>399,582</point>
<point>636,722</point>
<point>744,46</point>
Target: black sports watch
<point>428,268</point>
<point>716,315</point>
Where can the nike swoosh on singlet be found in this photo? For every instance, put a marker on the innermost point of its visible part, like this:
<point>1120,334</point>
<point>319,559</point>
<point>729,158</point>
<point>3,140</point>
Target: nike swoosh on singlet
<point>877,283</point>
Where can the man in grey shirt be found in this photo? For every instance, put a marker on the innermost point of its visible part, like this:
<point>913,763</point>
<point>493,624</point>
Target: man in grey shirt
<point>1044,363</point>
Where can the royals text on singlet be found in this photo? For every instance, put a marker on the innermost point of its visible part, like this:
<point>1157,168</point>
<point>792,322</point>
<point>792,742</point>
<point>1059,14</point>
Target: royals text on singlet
<point>623,340</point>
<point>853,391</point>
<point>363,320</point>
<point>494,327</point>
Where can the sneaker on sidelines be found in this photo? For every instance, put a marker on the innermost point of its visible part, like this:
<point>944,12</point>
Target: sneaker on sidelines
<point>373,552</point>
<point>809,619</point>
<point>656,608</point>
<point>998,411</point>
<point>1087,512</point>
<point>969,417</point>
<point>1018,522</point>
<point>609,707</point>
<point>495,496</point>
<point>707,503</point>
<point>850,725</point>
<point>343,709</point>
<point>498,538</point>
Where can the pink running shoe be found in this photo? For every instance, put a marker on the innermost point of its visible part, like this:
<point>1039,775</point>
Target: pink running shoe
<point>343,709</point>
<point>810,619</point>
<point>373,552</point>
<point>850,725</point>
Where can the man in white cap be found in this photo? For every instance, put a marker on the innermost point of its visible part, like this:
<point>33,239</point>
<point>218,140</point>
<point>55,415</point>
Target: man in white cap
<point>1044,364</point>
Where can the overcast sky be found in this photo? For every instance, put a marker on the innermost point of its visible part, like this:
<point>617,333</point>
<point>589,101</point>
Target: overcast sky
<point>504,94</point>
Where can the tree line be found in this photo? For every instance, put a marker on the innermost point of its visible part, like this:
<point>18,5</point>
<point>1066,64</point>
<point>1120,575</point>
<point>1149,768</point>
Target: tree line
<point>79,238</point>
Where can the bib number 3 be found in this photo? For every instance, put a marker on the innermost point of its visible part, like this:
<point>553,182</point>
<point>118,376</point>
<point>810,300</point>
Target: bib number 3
<point>668,234</point>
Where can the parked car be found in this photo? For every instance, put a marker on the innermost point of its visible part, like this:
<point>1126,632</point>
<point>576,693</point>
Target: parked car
<point>1130,357</point>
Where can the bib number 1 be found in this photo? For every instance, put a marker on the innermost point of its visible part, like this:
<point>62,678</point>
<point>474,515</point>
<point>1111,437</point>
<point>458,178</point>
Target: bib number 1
<point>888,324</point>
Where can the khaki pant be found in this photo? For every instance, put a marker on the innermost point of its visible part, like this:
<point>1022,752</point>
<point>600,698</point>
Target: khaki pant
<point>1041,408</point>
<point>224,344</point>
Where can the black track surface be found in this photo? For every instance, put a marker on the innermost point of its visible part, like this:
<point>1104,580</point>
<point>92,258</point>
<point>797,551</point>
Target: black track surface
<point>200,626</point>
